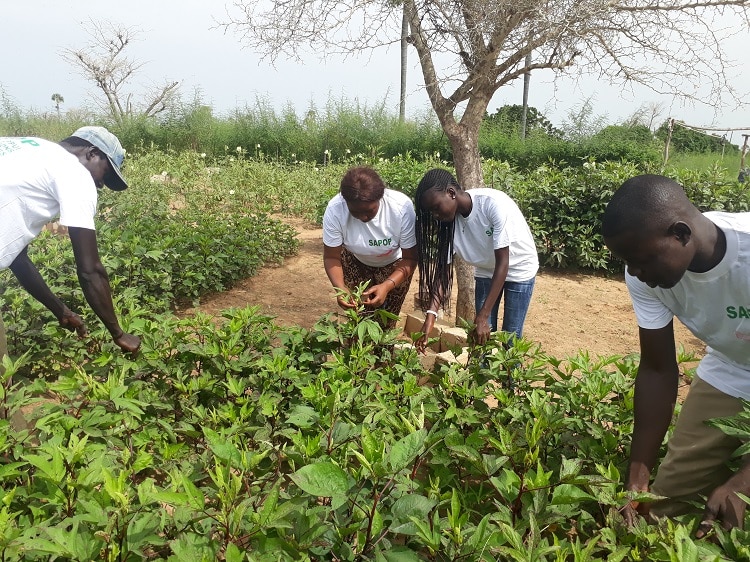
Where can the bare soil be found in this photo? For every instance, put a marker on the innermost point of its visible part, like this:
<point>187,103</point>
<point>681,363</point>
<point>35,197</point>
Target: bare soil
<point>569,312</point>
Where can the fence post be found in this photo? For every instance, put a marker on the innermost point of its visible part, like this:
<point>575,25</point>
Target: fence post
<point>666,144</point>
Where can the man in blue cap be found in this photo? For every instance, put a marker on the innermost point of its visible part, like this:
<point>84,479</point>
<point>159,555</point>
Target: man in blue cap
<point>40,180</point>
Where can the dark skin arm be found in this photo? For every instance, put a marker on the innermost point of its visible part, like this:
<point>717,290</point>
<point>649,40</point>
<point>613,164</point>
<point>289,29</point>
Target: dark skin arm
<point>31,280</point>
<point>481,332</point>
<point>375,296</point>
<point>335,272</point>
<point>725,505</point>
<point>655,396</point>
<point>429,321</point>
<point>95,284</point>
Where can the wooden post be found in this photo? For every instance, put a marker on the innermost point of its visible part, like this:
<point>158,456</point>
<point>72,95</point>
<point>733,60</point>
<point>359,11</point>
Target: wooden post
<point>741,176</point>
<point>666,144</point>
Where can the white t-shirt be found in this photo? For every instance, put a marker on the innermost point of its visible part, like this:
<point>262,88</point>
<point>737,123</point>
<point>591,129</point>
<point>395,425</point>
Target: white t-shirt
<point>377,242</point>
<point>39,180</point>
<point>715,307</point>
<point>495,222</point>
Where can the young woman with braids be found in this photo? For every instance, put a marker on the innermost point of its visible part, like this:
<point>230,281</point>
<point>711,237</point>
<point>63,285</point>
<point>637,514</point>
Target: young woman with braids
<point>368,235</point>
<point>486,229</point>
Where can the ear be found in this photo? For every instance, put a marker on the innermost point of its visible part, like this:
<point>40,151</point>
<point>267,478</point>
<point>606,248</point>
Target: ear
<point>91,152</point>
<point>681,231</point>
<point>451,191</point>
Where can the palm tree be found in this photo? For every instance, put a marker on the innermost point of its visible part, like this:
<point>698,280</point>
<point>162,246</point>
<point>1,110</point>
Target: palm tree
<point>57,99</point>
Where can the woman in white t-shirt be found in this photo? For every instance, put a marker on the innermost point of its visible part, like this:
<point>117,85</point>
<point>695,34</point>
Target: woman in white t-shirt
<point>368,236</point>
<point>487,230</point>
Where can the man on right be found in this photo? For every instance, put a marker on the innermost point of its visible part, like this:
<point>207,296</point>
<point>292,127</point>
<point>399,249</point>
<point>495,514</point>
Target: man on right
<point>695,266</point>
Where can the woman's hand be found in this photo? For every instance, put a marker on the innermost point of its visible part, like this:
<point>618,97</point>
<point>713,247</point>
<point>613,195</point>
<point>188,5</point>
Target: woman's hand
<point>345,300</point>
<point>481,332</point>
<point>421,343</point>
<point>375,296</point>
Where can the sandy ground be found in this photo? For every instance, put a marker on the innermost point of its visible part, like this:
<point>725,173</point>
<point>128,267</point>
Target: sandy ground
<point>569,312</point>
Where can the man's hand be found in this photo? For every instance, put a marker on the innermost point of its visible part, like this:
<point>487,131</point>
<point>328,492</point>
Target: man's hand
<point>71,321</point>
<point>128,342</point>
<point>633,510</point>
<point>724,505</point>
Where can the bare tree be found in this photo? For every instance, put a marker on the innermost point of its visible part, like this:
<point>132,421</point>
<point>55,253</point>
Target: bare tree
<point>103,61</point>
<point>647,114</point>
<point>468,49</point>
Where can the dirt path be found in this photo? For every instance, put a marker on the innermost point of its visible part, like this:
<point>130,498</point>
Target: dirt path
<point>568,312</point>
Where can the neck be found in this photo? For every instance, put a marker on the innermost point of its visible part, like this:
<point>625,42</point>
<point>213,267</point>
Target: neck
<point>711,248</point>
<point>465,204</point>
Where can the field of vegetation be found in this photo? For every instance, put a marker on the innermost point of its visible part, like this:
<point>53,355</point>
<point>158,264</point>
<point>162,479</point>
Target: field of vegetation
<point>234,439</point>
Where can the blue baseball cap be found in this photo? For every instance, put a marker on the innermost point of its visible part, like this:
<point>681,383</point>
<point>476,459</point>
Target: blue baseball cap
<point>109,144</point>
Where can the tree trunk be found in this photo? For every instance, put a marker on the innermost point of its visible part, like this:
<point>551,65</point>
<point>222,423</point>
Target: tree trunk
<point>465,144</point>
<point>404,59</point>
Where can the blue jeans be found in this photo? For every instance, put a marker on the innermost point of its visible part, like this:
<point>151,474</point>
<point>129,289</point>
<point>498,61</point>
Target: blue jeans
<point>517,299</point>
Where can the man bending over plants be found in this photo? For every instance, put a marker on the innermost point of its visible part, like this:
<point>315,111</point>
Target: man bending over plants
<point>39,180</point>
<point>695,266</point>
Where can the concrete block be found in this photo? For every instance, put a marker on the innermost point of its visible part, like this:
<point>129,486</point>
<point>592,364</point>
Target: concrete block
<point>452,336</point>
<point>427,360</point>
<point>444,358</point>
<point>463,357</point>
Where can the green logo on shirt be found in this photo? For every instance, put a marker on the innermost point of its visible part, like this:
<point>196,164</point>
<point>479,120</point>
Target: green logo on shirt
<point>490,231</point>
<point>738,312</point>
<point>383,242</point>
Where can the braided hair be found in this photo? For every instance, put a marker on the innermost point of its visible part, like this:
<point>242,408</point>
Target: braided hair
<point>434,240</point>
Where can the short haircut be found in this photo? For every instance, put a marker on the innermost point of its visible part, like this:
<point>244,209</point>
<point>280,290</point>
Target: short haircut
<point>645,204</point>
<point>362,184</point>
<point>76,141</point>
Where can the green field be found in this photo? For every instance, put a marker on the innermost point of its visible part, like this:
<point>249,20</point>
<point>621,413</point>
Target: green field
<point>233,439</point>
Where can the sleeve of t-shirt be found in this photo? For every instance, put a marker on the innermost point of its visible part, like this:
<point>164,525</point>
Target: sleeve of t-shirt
<point>500,234</point>
<point>333,236</point>
<point>649,310</point>
<point>408,220</point>
<point>76,194</point>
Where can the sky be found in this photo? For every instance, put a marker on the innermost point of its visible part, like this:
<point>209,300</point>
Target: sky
<point>180,40</point>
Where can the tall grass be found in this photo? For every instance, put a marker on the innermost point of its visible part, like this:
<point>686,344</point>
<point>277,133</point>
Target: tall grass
<point>341,130</point>
<point>701,161</point>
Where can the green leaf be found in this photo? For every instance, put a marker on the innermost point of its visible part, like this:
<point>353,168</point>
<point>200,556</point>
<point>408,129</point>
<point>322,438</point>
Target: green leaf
<point>407,506</point>
<point>405,450</point>
<point>322,479</point>
<point>196,500</point>
<point>233,554</point>
<point>397,554</point>
<point>222,447</point>
<point>303,416</point>
<point>371,447</point>
<point>569,494</point>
